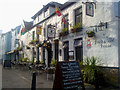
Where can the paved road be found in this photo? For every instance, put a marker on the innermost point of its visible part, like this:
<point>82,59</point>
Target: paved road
<point>15,78</point>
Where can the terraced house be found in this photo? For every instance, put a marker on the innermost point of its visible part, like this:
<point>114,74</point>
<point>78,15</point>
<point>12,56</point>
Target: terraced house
<point>80,29</point>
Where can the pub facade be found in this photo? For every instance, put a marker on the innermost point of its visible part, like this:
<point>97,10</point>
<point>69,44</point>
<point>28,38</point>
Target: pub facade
<point>83,29</point>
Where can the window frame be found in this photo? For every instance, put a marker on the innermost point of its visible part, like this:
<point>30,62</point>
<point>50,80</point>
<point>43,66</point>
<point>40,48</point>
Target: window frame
<point>75,15</point>
<point>67,15</point>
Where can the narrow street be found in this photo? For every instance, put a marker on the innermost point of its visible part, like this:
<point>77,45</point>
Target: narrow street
<point>15,78</point>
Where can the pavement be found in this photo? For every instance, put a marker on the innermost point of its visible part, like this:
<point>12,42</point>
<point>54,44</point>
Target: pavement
<point>20,79</point>
<point>16,78</point>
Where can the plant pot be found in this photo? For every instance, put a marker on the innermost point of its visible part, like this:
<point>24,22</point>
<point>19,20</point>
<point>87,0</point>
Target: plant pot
<point>76,30</point>
<point>91,34</point>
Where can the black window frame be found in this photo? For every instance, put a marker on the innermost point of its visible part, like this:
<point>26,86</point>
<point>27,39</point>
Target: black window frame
<point>66,21</point>
<point>78,14</point>
<point>92,11</point>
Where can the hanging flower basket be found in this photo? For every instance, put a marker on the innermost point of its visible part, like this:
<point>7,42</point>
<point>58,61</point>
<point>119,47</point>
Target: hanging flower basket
<point>32,42</point>
<point>91,33</point>
<point>77,28</point>
<point>39,45</point>
<point>36,41</point>
<point>63,32</point>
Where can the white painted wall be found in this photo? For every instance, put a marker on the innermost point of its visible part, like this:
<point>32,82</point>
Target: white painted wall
<point>104,12</point>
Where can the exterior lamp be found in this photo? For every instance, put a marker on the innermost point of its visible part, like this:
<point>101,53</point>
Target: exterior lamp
<point>100,26</point>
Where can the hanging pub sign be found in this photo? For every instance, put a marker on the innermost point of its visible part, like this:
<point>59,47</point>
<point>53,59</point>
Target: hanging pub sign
<point>51,32</point>
<point>38,30</point>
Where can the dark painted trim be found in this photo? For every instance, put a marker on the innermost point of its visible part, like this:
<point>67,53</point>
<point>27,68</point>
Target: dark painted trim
<point>62,8</point>
<point>109,67</point>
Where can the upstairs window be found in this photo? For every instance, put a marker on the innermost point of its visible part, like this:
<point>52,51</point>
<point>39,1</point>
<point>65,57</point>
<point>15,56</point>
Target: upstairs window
<point>89,9</point>
<point>78,15</point>
<point>66,24</point>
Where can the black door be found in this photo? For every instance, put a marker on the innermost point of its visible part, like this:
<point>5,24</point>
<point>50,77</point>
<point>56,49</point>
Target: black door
<point>79,53</point>
<point>66,51</point>
<point>49,49</point>
<point>44,55</point>
<point>56,50</point>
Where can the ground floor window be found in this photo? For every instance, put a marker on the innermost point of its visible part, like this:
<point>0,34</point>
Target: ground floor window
<point>78,49</point>
<point>66,50</point>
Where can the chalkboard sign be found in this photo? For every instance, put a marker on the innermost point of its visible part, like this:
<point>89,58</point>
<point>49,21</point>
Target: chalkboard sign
<point>68,76</point>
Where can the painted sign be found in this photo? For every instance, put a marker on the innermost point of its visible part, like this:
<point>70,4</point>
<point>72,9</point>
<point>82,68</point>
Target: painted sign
<point>38,30</point>
<point>51,32</point>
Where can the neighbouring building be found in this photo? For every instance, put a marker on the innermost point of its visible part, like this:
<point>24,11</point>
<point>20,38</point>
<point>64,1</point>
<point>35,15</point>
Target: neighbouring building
<point>14,44</point>
<point>6,58</point>
<point>0,31</point>
<point>23,38</point>
<point>2,47</point>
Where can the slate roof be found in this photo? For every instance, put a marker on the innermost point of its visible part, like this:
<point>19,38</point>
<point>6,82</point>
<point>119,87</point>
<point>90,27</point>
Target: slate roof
<point>63,6</point>
<point>52,4</point>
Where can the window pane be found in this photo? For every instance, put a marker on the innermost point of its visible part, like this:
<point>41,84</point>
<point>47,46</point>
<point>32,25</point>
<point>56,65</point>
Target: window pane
<point>78,11</point>
<point>78,15</point>
<point>66,25</point>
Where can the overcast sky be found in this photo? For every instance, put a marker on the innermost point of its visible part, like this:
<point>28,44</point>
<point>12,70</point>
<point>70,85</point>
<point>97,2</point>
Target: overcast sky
<point>13,12</point>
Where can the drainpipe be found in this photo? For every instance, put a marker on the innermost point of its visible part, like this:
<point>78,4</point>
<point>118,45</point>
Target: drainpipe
<point>33,48</point>
<point>37,51</point>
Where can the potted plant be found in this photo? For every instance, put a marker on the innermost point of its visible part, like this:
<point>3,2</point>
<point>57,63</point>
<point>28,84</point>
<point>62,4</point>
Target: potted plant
<point>89,67</point>
<point>91,33</point>
<point>36,41</point>
<point>76,28</point>
<point>39,44</point>
<point>42,62</point>
<point>64,32</point>
<point>32,42</point>
<point>53,63</point>
<point>25,59</point>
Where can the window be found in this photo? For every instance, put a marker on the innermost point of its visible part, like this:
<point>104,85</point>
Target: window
<point>66,25</point>
<point>89,9</point>
<point>38,18</point>
<point>46,13</point>
<point>66,50</point>
<point>78,15</point>
<point>33,35</point>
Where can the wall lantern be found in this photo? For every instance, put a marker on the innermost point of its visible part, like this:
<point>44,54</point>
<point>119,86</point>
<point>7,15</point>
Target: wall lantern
<point>102,25</point>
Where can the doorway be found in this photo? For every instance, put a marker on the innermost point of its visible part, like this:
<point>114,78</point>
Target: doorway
<point>49,49</point>
<point>78,49</point>
<point>66,50</point>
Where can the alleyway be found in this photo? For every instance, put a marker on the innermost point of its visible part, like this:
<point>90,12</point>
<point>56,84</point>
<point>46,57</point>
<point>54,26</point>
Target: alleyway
<point>15,78</point>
